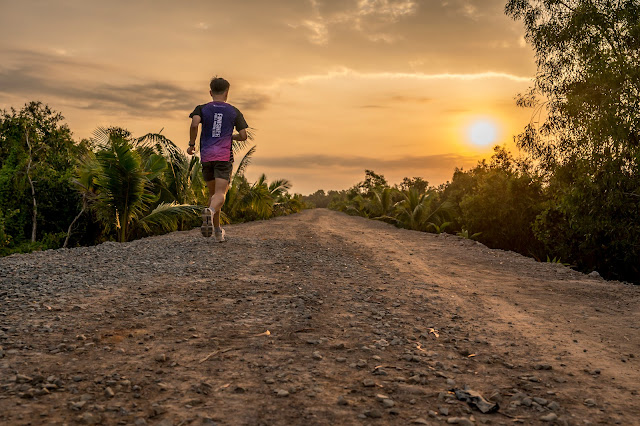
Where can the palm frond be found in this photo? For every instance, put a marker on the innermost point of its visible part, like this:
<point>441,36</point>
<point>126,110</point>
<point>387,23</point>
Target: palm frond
<point>279,186</point>
<point>244,163</point>
<point>165,217</point>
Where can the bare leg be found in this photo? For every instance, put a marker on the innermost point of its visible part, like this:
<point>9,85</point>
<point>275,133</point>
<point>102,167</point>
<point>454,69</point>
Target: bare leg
<point>218,191</point>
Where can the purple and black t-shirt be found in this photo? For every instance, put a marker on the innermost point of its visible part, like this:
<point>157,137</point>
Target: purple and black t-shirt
<point>218,121</point>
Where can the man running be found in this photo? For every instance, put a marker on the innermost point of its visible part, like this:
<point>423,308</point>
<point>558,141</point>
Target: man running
<point>218,119</point>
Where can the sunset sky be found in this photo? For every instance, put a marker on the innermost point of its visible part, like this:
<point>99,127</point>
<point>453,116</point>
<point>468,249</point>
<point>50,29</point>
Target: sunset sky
<point>331,87</point>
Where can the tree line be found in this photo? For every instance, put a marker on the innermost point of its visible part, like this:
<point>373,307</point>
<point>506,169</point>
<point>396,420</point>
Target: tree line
<point>56,192</point>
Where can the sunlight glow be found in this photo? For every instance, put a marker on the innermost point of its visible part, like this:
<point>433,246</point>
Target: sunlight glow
<point>483,133</point>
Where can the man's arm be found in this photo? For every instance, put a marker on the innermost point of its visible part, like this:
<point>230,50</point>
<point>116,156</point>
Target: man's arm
<point>240,136</point>
<point>193,133</point>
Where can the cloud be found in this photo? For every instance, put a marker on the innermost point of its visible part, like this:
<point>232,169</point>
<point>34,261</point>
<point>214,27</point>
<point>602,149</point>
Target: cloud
<point>319,31</point>
<point>342,72</point>
<point>253,102</point>
<point>369,17</point>
<point>434,162</point>
<point>54,76</point>
<point>412,99</point>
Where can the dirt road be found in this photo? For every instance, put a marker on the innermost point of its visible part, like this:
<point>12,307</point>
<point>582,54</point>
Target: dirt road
<point>316,318</point>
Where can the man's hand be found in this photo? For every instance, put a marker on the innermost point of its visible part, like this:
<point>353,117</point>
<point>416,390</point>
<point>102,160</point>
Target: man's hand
<point>191,149</point>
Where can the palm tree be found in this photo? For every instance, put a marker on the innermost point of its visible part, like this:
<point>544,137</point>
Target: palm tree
<point>381,204</point>
<point>258,200</point>
<point>124,184</point>
<point>420,211</point>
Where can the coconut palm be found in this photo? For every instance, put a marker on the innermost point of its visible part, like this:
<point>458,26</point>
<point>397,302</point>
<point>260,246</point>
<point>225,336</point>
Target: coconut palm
<point>258,200</point>
<point>381,204</point>
<point>421,212</point>
<point>124,184</point>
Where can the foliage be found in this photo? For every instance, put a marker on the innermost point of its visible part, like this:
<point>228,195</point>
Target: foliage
<point>501,201</point>
<point>588,146</point>
<point>413,207</point>
<point>259,200</point>
<point>52,154</point>
<point>113,186</point>
<point>467,236</point>
<point>588,80</point>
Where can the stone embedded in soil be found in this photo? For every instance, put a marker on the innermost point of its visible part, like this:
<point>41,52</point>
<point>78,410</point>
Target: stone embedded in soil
<point>367,383</point>
<point>388,403</point>
<point>317,356</point>
<point>281,393</point>
<point>77,406</point>
<point>553,406</point>
<point>342,400</point>
<point>551,417</point>
<point>460,421</point>
<point>541,401</point>
<point>543,367</point>
<point>373,413</point>
<point>89,418</point>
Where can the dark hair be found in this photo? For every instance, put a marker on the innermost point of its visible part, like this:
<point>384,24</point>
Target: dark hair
<point>219,85</point>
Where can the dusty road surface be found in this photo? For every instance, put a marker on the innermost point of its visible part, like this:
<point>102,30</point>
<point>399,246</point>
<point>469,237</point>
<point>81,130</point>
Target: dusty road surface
<point>317,318</point>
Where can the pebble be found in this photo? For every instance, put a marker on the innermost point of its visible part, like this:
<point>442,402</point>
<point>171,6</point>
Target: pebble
<point>368,383</point>
<point>388,403</point>
<point>540,401</point>
<point>543,367</point>
<point>109,393</point>
<point>590,402</point>
<point>373,414</point>
<point>317,356</point>
<point>459,421</point>
<point>89,419</point>
<point>281,393</point>
<point>553,406</point>
<point>341,359</point>
<point>21,378</point>
<point>551,417</point>
<point>342,400</point>
<point>419,421</point>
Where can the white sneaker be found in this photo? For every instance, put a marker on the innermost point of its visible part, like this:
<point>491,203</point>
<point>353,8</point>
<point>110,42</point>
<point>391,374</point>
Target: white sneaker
<point>207,222</point>
<point>219,236</point>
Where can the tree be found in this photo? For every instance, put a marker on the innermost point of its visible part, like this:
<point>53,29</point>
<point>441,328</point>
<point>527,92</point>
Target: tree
<point>417,182</point>
<point>36,163</point>
<point>125,199</point>
<point>588,88</point>
<point>372,181</point>
<point>588,80</point>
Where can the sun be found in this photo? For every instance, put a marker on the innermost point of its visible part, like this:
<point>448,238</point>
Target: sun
<point>482,133</point>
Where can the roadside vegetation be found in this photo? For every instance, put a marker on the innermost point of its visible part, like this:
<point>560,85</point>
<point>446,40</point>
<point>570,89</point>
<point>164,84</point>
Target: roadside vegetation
<point>574,195</point>
<point>55,192</point>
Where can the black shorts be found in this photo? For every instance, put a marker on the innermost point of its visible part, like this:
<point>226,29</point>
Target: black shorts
<point>212,170</point>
